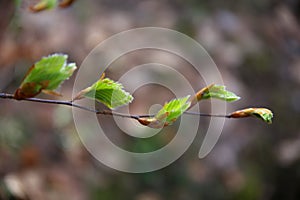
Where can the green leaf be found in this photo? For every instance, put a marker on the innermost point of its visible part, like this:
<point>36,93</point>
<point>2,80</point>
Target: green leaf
<point>46,75</point>
<point>173,109</point>
<point>168,114</point>
<point>43,5</point>
<point>219,92</point>
<point>108,92</point>
<point>53,68</point>
<point>262,113</point>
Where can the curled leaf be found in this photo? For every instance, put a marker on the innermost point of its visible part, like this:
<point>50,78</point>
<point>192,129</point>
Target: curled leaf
<point>45,75</point>
<point>168,114</point>
<point>262,113</point>
<point>106,91</point>
<point>43,5</point>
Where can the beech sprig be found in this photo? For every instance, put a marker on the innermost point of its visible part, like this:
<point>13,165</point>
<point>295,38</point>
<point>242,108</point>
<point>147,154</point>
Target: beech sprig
<point>50,72</point>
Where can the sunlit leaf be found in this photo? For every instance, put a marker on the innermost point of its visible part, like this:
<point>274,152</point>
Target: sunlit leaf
<point>214,91</point>
<point>261,113</point>
<point>45,75</point>
<point>108,92</point>
<point>43,5</point>
<point>174,108</point>
<point>168,114</point>
<point>219,92</point>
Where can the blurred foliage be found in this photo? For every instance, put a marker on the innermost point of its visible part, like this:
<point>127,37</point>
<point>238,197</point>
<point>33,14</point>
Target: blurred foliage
<point>256,45</point>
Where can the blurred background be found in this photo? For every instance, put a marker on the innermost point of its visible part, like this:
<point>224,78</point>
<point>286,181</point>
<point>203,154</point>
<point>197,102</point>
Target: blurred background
<point>256,46</point>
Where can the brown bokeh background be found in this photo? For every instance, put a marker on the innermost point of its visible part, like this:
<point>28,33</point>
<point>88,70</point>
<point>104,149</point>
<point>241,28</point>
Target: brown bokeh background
<point>256,46</point>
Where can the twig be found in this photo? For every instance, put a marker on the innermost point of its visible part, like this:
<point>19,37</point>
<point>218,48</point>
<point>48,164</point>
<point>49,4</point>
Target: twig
<point>206,114</point>
<point>99,112</point>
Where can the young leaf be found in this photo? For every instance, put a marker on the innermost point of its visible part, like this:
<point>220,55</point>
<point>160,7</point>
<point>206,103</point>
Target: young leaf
<point>168,114</point>
<point>43,5</point>
<point>219,92</point>
<point>45,76</point>
<point>174,108</point>
<point>108,92</point>
<point>214,91</point>
<point>261,113</point>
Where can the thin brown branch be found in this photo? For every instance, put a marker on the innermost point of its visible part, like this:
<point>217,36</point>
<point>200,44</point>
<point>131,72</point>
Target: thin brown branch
<point>99,112</point>
<point>206,114</point>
